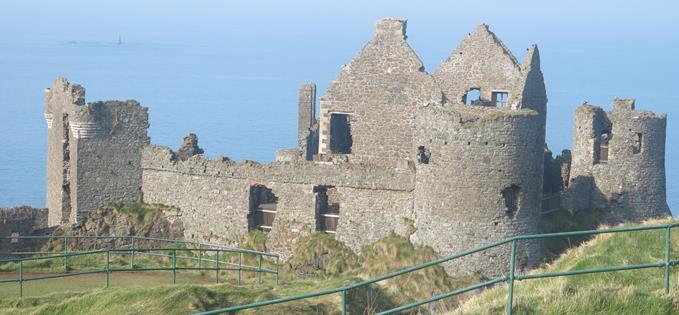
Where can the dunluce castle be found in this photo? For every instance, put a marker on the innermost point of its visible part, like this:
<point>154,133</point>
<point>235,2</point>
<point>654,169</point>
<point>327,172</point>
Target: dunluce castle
<point>453,159</point>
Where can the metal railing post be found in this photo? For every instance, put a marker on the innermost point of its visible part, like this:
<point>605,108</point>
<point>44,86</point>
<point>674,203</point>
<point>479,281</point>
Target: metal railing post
<point>344,302</point>
<point>133,252</point>
<point>21,278</point>
<point>174,266</point>
<point>277,268</point>
<point>200,256</point>
<point>240,265</point>
<point>259,272</point>
<point>217,260</point>
<point>510,289</point>
<point>108,269</point>
<point>64,252</point>
<point>667,259</point>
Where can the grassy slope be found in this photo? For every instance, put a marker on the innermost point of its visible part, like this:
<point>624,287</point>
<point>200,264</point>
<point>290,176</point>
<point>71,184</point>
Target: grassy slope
<point>622,292</point>
<point>171,299</point>
<point>320,262</point>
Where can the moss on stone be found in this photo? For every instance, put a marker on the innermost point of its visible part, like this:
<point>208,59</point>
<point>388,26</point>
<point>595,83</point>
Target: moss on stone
<point>523,112</point>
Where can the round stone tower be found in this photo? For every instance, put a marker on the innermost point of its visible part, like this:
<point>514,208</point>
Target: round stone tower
<point>619,159</point>
<point>480,181</point>
<point>480,155</point>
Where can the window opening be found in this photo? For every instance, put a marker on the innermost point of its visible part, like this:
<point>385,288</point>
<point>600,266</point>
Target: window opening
<point>511,197</point>
<point>422,155</point>
<point>263,204</point>
<point>637,145</point>
<point>500,99</point>
<point>340,134</point>
<point>603,147</point>
<point>327,209</point>
<point>472,97</point>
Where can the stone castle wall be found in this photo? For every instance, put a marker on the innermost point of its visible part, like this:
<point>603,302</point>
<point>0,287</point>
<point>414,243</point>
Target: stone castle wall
<point>459,194</point>
<point>93,152</point>
<point>22,220</point>
<point>630,178</point>
<point>394,149</point>
<point>107,163</point>
<point>59,100</point>
<point>213,196</point>
<point>481,61</point>
<point>379,90</point>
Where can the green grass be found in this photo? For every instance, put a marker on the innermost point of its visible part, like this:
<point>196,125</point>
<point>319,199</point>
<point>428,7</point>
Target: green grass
<point>563,221</point>
<point>622,292</point>
<point>331,264</point>
<point>173,299</point>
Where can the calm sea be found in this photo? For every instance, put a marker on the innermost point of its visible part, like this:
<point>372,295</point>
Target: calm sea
<point>233,78</point>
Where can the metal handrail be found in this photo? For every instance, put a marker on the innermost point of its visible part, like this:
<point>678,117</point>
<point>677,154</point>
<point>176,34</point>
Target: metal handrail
<point>667,263</point>
<point>212,249</point>
<point>69,237</point>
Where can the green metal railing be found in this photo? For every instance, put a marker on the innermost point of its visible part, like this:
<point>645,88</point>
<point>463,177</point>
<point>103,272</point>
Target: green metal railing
<point>209,258</point>
<point>509,279</point>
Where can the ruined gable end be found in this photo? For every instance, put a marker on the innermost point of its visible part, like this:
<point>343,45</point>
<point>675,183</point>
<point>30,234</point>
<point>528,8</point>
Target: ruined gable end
<point>367,113</point>
<point>481,62</point>
<point>531,84</point>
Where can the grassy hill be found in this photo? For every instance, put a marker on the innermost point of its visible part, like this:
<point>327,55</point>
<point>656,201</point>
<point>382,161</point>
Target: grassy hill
<point>319,262</point>
<point>622,292</point>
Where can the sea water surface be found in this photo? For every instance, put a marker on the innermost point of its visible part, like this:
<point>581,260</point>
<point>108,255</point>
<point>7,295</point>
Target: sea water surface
<point>230,71</point>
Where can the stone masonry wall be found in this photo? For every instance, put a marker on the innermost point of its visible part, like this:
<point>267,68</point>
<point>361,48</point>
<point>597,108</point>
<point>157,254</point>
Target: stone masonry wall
<point>481,61</point>
<point>93,152</point>
<point>379,90</point>
<point>629,182</point>
<point>22,220</point>
<point>107,165</point>
<point>59,100</point>
<point>459,202</point>
<point>213,196</point>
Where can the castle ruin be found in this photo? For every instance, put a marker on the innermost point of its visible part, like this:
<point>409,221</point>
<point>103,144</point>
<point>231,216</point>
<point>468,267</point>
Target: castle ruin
<point>453,159</point>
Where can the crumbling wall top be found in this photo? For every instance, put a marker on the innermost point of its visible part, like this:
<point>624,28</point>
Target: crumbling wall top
<point>391,27</point>
<point>189,147</point>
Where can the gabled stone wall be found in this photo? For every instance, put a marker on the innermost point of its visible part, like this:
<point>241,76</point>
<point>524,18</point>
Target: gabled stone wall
<point>379,90</point>
<point>481,61</point>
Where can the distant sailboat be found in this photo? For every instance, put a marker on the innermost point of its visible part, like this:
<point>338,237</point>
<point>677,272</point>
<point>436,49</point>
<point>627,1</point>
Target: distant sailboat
<point>120,40</point>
